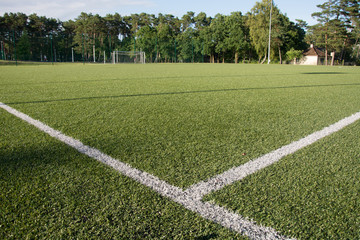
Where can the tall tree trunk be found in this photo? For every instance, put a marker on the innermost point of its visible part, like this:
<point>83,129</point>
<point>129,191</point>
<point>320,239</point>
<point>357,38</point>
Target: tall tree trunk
<point>326,49</point>
<point>236,57</point>
<point>343,48</point>
<point>262,62</point>
<point>280,54</point>
<point>326,56</point>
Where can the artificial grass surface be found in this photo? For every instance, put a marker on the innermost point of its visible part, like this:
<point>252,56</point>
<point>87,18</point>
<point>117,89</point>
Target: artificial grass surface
<point>50,191</point>
<point>312,194</point>
<point>183,122</point>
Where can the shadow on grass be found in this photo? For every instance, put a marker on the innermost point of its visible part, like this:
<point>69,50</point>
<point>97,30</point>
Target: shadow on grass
<point>207,237</point>
<point>180,93</point>
<point>323,73</point>
<point>144,78</point>
<point>31,156</point>
<point>24,63</point>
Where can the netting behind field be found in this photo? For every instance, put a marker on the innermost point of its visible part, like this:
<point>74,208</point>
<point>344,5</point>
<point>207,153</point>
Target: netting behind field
<point>128,57</point>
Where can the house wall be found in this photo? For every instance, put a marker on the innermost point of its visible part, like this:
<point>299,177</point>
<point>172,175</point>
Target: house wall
<point>309,60</point>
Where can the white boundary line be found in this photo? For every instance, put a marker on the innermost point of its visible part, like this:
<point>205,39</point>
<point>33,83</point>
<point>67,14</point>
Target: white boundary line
<point>191,198</point>
<point>209,211</point>
<point>199,190</point>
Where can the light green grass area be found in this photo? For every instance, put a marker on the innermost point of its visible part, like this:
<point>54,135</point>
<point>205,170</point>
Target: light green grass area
<point>313,194</point>
<point>50,191</point>
<point>183,122</point>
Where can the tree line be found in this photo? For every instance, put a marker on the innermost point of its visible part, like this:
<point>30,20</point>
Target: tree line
<point>192,38</point>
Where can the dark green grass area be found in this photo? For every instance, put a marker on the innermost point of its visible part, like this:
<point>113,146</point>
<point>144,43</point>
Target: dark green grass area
<point>183,122</point>
<point>50,191</point>
<point>313,194</point>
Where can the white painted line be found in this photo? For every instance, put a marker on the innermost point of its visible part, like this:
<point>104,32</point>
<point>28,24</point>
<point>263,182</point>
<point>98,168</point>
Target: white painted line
<point>191,198</point>
<point>209,211</point>
<point>199,190</point>
<point>228,219</point>
<point>144,178</point>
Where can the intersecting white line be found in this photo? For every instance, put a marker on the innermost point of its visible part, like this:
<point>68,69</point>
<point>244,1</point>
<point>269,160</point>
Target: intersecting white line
<point>191,198</point>
<point>199,190</point>
<point>209,211</point>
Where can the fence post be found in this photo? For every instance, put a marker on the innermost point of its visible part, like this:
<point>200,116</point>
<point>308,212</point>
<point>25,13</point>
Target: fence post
<point>94,52</point>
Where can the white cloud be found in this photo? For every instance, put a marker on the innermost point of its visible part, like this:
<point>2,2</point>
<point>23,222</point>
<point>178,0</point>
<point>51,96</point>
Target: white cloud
<point>69,9</point>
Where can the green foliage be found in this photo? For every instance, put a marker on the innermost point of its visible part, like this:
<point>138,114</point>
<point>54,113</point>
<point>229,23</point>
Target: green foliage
<point>338,27</point>
<point>191,38</point>
<point>238,40</point>
<point>292,54</point>
<point>187,42</point>
<point>166,42</point>
<point>23,47</point>
<point>259,27</point>
<point>284,35</point>
<point>219,35</point>
<point>147,41</point>
<point>224,38</point>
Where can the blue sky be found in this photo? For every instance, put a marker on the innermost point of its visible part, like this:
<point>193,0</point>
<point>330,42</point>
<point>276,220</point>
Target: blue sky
<point>70,9</point>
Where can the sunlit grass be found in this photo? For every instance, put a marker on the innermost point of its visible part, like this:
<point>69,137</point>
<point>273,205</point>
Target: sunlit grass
<point>313,194</point>
<point>184,123</point>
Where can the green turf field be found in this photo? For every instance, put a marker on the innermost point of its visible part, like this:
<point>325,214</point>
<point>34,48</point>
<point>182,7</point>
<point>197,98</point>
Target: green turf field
<point>313,194</point>
<point>182,123</point>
